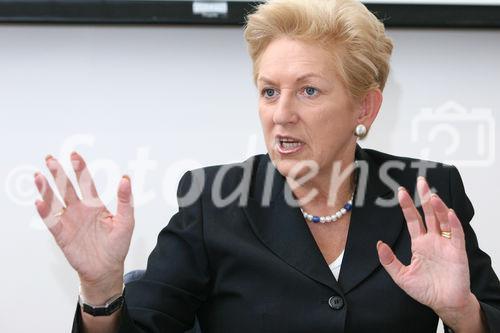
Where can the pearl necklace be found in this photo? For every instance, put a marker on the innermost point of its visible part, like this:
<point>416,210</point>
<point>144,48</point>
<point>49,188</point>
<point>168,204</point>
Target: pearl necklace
<point>330,218</point>
<point>334,217</point>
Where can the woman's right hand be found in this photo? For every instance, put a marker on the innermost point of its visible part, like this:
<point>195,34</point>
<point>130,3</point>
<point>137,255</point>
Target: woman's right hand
<point>94,241</point>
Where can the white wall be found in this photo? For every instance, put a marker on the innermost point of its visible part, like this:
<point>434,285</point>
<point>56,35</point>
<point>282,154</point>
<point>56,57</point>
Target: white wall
<point>178,98</point>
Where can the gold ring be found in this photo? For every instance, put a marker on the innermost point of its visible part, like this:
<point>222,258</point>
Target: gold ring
<point>446,234</point>
<point>108,215</point>
<point>59,213</point>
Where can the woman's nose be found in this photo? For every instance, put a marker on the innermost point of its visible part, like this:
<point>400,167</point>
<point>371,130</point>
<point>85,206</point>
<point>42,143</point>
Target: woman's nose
<point>285,111</point>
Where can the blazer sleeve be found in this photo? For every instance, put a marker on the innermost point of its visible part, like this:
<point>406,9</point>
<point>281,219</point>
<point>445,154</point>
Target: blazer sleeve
<point>484,282</point>
<point>176,281</point>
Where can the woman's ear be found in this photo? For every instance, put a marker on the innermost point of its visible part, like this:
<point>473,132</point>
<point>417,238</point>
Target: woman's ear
<point>369,107</point>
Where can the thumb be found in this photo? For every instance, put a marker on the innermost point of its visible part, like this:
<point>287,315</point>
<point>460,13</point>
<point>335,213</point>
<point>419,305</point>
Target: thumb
<point>125,206</point>
<point>390,262</point>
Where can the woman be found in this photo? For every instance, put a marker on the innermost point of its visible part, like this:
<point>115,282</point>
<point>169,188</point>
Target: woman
<point>251,245</point>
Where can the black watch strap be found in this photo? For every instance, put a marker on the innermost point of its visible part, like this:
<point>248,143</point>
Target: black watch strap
<point>107,309</point>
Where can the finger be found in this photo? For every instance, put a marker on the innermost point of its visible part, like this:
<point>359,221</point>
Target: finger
<point>44,188</point>
<point>53,203</point>
<point>45,211</point>
<point>84,178</point>
<point>389,261</point>
<point>43,208</point>
<point>424,193</point>
<point>412,216</point>
<point>49,206</point>
<point>125,206</point>
<point>457,232</point>
<point>441,211</point>
<point>64,185</point>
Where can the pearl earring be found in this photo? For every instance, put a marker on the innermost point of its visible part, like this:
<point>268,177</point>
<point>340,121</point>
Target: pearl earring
<point>360,131</point>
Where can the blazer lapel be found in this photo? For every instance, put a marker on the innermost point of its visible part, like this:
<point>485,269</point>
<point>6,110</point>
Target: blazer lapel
<point>369,223</point>
<point>282,228</point>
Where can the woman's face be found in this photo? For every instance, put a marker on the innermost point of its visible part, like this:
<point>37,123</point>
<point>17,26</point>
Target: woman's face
<point>303,101</point>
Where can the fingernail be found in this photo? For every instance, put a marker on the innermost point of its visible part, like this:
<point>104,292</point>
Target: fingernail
<point>36,174</point>
<point>76,164</point>
<point>125,180</point>
<point>401,188</point>
<point>378,244</point>
<point>74,153</point>
<point>48,157</point>
<point>51,163</point>
<point>421,178</point>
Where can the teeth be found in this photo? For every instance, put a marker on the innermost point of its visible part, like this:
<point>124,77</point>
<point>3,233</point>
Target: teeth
<point>290,145</point>
<point>287,140</point>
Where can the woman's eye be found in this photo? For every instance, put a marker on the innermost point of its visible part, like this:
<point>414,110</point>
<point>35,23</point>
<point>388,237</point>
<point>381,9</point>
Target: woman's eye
<point>310,91</point>
<point>269,92</point>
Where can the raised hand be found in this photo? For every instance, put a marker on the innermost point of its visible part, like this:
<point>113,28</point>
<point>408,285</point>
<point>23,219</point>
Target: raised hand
<point>94,241</point>
<point>438,275</point>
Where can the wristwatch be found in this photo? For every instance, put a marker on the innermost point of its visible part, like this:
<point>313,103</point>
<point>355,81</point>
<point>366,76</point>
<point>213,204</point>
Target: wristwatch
<point>111,305</point>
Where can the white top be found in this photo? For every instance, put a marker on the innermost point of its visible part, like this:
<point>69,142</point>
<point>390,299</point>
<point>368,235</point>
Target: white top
<point>335,265</point>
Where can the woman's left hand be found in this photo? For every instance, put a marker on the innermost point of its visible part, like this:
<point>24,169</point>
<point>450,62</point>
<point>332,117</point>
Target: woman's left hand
<point>438,275</point>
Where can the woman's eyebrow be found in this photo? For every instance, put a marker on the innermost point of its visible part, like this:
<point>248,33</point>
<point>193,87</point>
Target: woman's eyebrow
<point>299,79</point>
<point>309,75</point>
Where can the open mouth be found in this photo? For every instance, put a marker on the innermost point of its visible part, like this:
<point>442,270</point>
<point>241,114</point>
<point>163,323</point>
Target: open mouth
<point>288,145</point>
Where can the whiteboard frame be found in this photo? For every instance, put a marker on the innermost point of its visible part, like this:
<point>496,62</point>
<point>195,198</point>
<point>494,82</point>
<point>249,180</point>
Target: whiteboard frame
<point>181,12</point>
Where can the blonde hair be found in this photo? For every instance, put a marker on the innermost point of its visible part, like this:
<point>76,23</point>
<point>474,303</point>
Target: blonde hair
<point>346,28</point>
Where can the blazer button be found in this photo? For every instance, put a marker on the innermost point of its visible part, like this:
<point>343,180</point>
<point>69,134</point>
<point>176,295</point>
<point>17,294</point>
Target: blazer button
<point>336,302</point>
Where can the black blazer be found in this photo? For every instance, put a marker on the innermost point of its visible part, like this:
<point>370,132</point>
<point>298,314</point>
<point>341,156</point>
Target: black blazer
<point>256,268</point>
